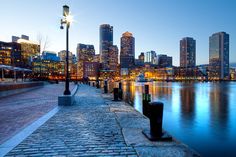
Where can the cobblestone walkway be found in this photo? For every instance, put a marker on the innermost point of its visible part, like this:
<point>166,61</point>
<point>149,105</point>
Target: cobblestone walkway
<point>20,110</point>
<point>88,128</point>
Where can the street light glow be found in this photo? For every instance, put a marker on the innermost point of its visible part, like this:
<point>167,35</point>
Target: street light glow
<point>69,18</point>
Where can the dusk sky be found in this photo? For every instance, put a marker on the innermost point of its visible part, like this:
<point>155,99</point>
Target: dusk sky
<point>156,24</point>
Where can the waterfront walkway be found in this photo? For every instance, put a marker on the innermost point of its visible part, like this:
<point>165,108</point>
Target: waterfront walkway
<point>96,126</point>
<point>20,110</point>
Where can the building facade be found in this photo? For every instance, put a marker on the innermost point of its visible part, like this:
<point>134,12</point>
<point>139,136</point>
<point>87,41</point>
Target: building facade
<point>127,50</point>
<point>164,61</point>
<point>141,57</point>
<point>106,40</point>
<point>29,50</point>
<point>85,53</point>
<point>219,56</point>
<point>150,57</point>
<point>113,58</point>
<point>49,55</point>
<point>187,52</point>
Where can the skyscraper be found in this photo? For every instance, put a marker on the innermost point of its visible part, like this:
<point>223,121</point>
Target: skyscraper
<point>127,50</point>
<point>106,40</point>
<point>219,56</point>
<point>187,52</point>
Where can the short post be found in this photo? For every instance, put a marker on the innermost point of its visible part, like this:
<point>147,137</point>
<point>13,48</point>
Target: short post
<point>93,84</point>
<point>97,84</point>
<point>146,100</point>
<point>120,91</point>
<point>105,87</point>
<point>156,115</point>
<point>116,94</point>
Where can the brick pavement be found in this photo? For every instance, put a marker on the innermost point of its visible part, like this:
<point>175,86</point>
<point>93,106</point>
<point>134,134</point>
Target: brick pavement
<point>88,128</point>
<point>18,111</point>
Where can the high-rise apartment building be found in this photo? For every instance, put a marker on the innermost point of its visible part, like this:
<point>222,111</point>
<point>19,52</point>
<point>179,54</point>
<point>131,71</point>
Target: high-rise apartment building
<point>127,50</point>
<point>219,56</point>
<point>187,52</point>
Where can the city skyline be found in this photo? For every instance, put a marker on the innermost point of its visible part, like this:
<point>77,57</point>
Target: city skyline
<point>151,24</point>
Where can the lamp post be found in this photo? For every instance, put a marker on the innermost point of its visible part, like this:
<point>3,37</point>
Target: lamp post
<point>67,19</point>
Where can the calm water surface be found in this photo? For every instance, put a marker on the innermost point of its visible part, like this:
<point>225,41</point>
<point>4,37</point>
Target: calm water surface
<point>201,115</point>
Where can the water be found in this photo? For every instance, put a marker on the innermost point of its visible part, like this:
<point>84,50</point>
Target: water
<point>201,115</point>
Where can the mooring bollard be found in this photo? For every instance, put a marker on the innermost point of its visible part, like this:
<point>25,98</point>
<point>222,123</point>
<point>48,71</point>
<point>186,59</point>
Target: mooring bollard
<point>97,84</point>
<point>105,87</point>
<point>156,115</point>
<point>120,91</point>
<point>116,94</point>
<point>146,100</point>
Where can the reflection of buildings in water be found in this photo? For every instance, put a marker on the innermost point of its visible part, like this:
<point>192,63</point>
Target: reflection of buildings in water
<point>162,90</point>
<point>219,104</point>
<point>127,91</point>
<point>187,102</point>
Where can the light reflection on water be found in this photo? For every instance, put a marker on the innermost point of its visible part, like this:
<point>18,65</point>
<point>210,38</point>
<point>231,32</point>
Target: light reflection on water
<point>202,115</point>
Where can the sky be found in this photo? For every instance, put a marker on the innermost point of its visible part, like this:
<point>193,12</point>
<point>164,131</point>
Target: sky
<point>157,25</point>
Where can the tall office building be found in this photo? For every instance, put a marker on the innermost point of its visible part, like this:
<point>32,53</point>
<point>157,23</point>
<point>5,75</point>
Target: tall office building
<point>150,57</point>
<point>113,58</point>
<point>106,40</point>
<point>187,52</point>
<point>85,54</point>
<point>219,56</point>
<point>127,50</point>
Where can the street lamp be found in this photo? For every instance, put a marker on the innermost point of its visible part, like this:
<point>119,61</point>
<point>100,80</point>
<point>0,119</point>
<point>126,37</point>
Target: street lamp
<point>67,19</point>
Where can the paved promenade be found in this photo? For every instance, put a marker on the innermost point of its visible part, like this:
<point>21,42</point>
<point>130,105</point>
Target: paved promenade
<point>96,126</point>
<point>20,110</point>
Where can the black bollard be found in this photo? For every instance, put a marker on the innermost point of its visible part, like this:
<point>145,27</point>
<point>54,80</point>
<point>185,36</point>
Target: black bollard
<point>156,115</point>
<point>105,87</point>
<point>120,91</point>
<point>116,94</point>
<point>93,84</point>
<point>146,89</point>
<point>146,100</point>
<point>97,84</point>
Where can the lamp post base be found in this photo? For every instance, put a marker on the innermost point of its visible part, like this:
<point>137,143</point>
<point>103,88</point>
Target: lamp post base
<point>67,92</point>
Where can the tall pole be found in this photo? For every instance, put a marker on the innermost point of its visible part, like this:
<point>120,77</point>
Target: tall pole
<point>2,74</point>
<point>67,90</point>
